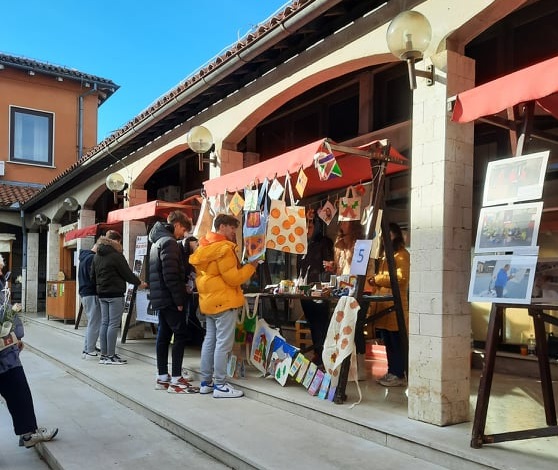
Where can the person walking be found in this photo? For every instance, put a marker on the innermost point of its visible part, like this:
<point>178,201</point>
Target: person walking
<point>387,327</point>
<point>219,279</point>
<point>90,302</point>
<point>14,387</point>
<point>168,295</point>
<point>110,272</point>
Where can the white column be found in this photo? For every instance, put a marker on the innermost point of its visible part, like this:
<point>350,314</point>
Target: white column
<point>441,213</point>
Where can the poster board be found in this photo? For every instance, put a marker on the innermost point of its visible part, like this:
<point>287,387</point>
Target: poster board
<point>508,228</point>
<point>515,179</point>
<point>487,272</point>
<point>143,312</point>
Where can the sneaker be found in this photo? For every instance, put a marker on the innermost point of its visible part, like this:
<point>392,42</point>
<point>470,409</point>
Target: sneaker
<point>183,385</point>
<point>40,435</point>
<point>226,391</point>
<point>89,356</point>
<point>383,377</point>
<point>393,381</point>
<point>206,387</point>
<point>103,359</point>
<point>115,360</point>
<point>187,375</point>
<point>163,384</point>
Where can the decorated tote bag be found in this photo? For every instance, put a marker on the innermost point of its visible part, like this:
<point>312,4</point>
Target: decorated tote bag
<point>349,206</point>
<point>204,223</point>
<point>286,226</point>
<point>253,230</point>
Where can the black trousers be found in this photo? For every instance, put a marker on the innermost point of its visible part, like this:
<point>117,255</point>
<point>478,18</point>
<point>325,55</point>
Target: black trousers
<point>317,316</point>
<point>171,321</point>
<point>15,390</point>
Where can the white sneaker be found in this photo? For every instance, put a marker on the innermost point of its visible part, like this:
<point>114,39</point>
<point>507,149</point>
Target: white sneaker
<point>187,375</point>
<point>206,387</point>
<point>88,356</point>
<point>226,391</point>
<point>40,435</point>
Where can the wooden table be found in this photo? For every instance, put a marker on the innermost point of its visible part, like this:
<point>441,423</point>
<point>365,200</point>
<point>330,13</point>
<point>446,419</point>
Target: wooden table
<point>495,324</point>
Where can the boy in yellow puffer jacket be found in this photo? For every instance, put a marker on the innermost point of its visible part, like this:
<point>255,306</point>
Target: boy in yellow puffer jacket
<point>219,277</point>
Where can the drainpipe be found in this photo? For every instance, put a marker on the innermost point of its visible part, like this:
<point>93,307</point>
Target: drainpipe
<point>80,120</point>
<point>23,261</point>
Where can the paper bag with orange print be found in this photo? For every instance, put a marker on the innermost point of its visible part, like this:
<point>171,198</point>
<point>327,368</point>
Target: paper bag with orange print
<point>286,225</point>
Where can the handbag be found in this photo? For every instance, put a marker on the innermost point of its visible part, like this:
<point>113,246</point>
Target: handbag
<point>349,206</point>
<point>286,227</point>
<point>254,229</point>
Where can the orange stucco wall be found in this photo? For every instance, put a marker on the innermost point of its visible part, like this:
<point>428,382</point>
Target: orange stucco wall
<point>45,93</point>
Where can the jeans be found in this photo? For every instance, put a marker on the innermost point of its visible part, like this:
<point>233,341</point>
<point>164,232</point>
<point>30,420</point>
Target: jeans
<point>92,311</point>
<point>217,344</point>
<point>392,342</point>
<point>111,317</point>
<point>15,390</point>
<point>171,321</point>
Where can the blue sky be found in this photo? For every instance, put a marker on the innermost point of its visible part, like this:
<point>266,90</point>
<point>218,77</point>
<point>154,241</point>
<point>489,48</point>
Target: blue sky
<point>146,47</point>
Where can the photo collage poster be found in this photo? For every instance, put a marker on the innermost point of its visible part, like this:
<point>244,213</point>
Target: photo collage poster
<point>505,261</point>
<point>143,311</point>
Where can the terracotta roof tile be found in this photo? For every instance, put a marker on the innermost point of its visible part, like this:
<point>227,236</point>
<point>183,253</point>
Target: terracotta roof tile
<point>11,193</point>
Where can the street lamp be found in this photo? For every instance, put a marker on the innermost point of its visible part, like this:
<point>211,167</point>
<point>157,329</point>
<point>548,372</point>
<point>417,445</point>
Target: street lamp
<point>200,140</point>
<point>408,36</point>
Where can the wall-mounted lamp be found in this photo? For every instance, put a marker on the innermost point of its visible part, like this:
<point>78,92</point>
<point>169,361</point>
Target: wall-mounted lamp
<point>41,220</point>
<point>70,204</point>
<point>115,182</point>
<point>200,141</point>
<point>408,36</point>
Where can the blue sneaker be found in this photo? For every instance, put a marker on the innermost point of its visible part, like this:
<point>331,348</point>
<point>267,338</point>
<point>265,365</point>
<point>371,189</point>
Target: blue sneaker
<point>206,387</point>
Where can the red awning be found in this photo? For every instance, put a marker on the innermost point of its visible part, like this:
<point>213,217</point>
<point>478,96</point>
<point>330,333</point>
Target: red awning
<point>91,231</point>
<point>355,169</point>
<point>149,209</point>
<point>538,82</point>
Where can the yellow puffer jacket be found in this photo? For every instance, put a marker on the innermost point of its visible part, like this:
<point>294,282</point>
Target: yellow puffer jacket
<point>403,267</point>
<point>219,275</point>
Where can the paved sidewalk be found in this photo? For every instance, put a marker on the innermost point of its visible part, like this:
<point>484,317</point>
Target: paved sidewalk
<point>94,431</point>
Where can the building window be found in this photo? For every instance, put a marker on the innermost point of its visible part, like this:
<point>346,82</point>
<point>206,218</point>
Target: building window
<point>31,136</point>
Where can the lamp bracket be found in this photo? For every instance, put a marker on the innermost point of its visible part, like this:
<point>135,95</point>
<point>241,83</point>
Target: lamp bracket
<point>211,160</point>
<point>428,74</point>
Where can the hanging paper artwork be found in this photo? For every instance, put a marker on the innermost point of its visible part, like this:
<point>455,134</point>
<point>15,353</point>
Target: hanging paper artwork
<point>301,182</point>
<point>275,190</point>
<point>327,212</point>
<point>250,199</point>
<point>237,204</point>
<point>349,206</point>
<point>327,166</point>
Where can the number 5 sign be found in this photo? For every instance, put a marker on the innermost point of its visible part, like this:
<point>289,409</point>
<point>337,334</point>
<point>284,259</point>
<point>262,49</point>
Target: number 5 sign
<point>361,255</point>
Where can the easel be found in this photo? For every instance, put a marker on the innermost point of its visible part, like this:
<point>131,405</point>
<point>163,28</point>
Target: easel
<point>493,339</point>
<point>381,154</point>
